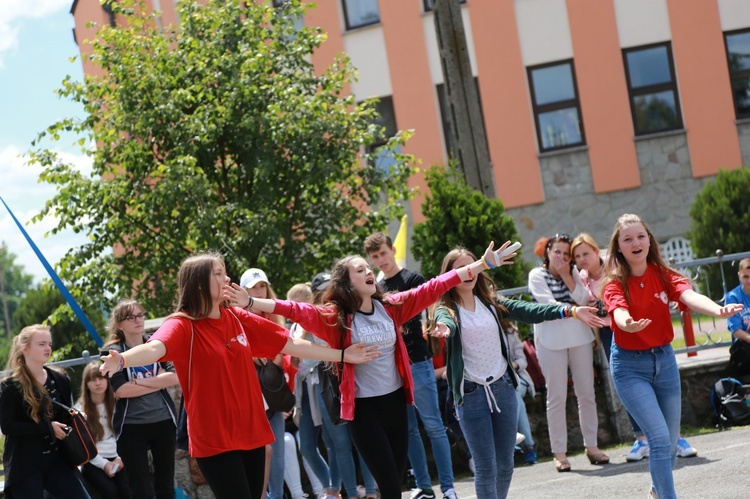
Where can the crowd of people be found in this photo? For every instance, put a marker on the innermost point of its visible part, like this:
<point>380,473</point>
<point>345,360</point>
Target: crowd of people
<point>401,348</point>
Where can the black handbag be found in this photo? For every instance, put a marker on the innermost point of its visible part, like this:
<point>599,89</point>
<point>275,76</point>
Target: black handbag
<point>331,392</point>
<point>739,359</point>
<point>275,390</point>
<point>79,446</point>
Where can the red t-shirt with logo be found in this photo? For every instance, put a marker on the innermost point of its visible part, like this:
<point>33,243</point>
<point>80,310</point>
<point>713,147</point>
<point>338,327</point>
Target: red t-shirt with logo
<point>223,400</point>
<point>648,302</point>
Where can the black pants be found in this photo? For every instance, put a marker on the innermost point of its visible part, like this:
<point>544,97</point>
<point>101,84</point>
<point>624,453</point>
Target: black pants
<point>133,445</point>
<point>115,487</point>
<point>380,432</point>
<point>54,475</point>
<point>235,474</point>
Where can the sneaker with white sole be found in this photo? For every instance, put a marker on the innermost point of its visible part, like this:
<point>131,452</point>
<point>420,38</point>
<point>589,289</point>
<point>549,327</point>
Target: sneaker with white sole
<point>520,438</point>
<point>639,451</point>
<point>422,494</point>
<point>450,494</point>
<point>684,449</point>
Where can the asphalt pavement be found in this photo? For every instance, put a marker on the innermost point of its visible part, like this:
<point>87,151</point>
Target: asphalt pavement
<point>719,471</point>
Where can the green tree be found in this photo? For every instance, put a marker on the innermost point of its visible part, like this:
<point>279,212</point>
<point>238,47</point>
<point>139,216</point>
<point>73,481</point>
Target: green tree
<point>721,220</point>
<point>220,135</point>
<point>457,215</point>
<point>15,282</point>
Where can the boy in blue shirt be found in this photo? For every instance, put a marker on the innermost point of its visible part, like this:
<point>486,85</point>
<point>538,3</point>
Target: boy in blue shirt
<point>739,324</point>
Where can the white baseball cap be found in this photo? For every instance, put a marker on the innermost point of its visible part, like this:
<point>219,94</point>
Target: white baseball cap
<point>251,277</point>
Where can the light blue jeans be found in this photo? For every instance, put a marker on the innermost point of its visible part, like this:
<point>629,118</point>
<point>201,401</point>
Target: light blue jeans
<point>524,428</point>
<point>276,477</point>
<point>308,440</point>
<point>341,461</point>
<point>648,384</point>
<point>426,400</point>
<point>491,435</point>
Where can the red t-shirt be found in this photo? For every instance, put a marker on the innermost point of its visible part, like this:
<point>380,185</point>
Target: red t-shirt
<point>290,372</point>
<point>222,393</point>
<point>648,302</point>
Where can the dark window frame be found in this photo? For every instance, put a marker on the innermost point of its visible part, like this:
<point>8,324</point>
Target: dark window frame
<point>736,75</point>
<point>350,27</point>
<point>650,89</point>
<point>555,106</point>
<point>428,8</point>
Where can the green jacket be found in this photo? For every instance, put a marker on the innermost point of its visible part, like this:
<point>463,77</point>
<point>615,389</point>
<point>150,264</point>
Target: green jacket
<point>518,310</point>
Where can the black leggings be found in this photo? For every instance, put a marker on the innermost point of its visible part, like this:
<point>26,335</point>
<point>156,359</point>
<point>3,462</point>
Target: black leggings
<point>237,473</point>
<point>133,444</point>
<point>108,487</point>
<point>380,432</point>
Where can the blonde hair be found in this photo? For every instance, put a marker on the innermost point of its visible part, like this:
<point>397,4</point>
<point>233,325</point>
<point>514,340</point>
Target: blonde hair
<point>34,393</point>
<point>584,238</point>
<point>300,292</point>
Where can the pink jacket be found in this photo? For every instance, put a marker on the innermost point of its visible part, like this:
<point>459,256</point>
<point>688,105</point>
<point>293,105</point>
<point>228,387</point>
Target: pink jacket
<point>401,307</point>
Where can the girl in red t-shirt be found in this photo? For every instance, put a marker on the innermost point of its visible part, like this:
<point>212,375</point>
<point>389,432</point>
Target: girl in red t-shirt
<point>637,290</point>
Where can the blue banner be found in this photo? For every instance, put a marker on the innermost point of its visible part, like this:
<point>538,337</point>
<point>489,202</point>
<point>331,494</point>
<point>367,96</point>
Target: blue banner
<point>58,282</point>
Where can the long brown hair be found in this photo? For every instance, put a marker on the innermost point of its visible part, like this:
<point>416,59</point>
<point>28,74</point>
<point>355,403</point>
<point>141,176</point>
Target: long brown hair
<point>34,393</point>
<point>194,299</point>
<point>91,371</point>
<point>484,288</point>
<point>123,309</point>
<point>617,268</point>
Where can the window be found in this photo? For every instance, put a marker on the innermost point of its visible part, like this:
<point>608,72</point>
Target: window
<point>428,4</point>
<point>447,118</point>
<point>383,159</point>
<point>358,13</point>
<point>652,89</point>
<point>557,109</point>
<point>738,54</point>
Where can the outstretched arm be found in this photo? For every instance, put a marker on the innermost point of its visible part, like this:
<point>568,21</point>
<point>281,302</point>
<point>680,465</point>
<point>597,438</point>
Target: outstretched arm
<point>354,354</point>
<point>625,321</point>
<point>147,353</point>
<point>705,305</point>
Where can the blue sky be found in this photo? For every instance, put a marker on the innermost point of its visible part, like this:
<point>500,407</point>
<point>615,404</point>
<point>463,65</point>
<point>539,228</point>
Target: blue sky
<point>36,43</point>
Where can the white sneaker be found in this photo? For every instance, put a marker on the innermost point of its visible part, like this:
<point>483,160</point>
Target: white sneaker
<point>450,494</point>
<point>519,438</point>
<point>639,451</point>
<point>684,449</point>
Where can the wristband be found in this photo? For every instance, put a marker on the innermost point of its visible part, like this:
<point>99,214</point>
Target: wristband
<point>468,271</point>
<point>573,312</point>
<point>484,262</point>
<point>250,302</point>
<point>122,364</point>
<point>342,355</point>
<point>488,264</point>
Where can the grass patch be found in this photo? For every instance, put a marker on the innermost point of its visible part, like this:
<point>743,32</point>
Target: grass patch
<point>704,339</point>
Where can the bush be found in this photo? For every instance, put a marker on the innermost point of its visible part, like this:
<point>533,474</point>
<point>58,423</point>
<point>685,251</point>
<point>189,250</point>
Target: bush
<point>720,220</point>
<point>458,215</point>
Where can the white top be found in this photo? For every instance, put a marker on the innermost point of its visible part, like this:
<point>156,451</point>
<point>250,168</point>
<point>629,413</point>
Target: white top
<point>380,376</point>
<point>482,350</point>
<point>107,446</point>
<point>564,333</point>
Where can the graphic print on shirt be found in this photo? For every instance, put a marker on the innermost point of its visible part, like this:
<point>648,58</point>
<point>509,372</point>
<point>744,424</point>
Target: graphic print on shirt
<point>240,338</point>
<point>142,372</point>
<point>379,376</point>
<point>663,297</point>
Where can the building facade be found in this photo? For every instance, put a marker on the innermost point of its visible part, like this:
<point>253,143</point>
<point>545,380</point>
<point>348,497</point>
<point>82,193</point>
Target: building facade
<point>592,108</point>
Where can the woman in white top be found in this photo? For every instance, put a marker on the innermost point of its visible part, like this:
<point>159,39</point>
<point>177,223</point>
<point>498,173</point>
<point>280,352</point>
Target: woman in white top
<point>105,472</point>
<point>565,344</point>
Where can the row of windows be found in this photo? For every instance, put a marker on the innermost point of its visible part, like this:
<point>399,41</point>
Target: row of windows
<point>652,90</point>
<point>360,13</point>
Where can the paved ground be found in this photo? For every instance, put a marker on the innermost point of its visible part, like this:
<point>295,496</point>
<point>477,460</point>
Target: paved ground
<point>719,471</point>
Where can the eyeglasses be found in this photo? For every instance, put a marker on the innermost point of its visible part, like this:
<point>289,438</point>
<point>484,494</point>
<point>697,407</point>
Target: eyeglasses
<point>136,317</point>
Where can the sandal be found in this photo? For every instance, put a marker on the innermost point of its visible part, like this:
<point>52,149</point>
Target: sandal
<point>599,458</point>
<point>561,466</point>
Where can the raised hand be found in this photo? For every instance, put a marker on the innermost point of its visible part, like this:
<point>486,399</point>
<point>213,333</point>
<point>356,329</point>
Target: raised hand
<point>360,353</point>
<point>588,316</point>
<point>440,331</point>
<point>730,310</point>
<point>633,326</point>
<point>111,363</point>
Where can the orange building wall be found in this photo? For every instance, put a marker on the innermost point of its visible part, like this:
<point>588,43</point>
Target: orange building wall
<point>413,92</point>
<point>603,92</point>
<point>85,12</point>
<point>507,109</point>
<point>703,81</point>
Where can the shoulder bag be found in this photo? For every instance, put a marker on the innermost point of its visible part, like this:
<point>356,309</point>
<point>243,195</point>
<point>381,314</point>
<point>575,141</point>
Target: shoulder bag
<point>274,387</point>
<point>79,446</point>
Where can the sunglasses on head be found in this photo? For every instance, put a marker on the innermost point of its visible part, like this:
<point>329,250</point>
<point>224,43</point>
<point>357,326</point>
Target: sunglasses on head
<point>560,236</point>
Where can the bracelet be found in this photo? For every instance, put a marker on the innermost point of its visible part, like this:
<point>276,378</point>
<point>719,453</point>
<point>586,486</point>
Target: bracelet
<point>122,364</point>
<point>250,302</point>
<point>134,381</point>
<point>342,355</point>
<point>573,312</point>
<point>484,262</point>
<point>488,264</point>
<point>468,271</point>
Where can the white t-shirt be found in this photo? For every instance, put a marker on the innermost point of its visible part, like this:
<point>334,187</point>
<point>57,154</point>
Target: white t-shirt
<point>482,347</point>
<point>107,446</point>
<point>379,376</point>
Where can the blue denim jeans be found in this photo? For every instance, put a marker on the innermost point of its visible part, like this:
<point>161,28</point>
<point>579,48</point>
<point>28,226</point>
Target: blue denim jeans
<point>308,440</point>
<point>524,427</point>
<point>343,469</point>
<point>426,400</point>
<point>648,384</point>
<point>491,435</point>
<point>276,476</point>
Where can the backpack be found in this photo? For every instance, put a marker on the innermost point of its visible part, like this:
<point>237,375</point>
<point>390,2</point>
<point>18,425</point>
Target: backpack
<point>728,402</point>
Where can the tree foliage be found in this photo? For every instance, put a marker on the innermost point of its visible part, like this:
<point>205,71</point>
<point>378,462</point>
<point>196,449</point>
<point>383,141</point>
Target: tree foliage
<point>721,220</point>
<point>459,216</point>
<point>220,135</point>
<point>16,282</point>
